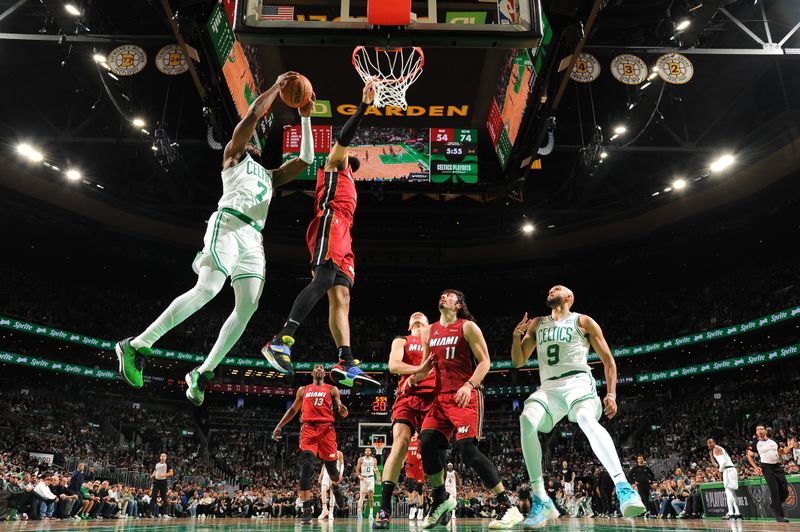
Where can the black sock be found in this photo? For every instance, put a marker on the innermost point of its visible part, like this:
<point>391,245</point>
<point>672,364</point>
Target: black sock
<point>346,354</point>
<point>386,496</point>
<point>289,328</point>
<point>439,494</point>
<point>502,498</point>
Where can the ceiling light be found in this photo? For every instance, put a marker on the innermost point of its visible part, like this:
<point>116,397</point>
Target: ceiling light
<point>145,131</point>
<point>24,149</point>
<point>112,76</point>
<point>527,228</point>
<point>668,189</point>
<point>99,58</point>
<point>613,137</point>
<point>722,163</point>
<point>31,153</point>
<point>679,184</point>
<point>73,175</point>
<point>603,154</point>
<point>138,122</point>
<point>652,75</point>
<point>619,130</point>
<point>683,24</point>
<point>72,10</point>
<point>154,147</point>
<point>643,87</point>
<point>656,193</point>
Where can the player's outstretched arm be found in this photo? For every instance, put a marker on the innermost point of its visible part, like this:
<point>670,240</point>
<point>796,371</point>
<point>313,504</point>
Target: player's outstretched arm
<point>296,166</point>
<point>600,347</point>
<point>337,158</point>
<point>289,414</point>
<point>246,127</point>
<point>336,398</point>
<point>523,341</point>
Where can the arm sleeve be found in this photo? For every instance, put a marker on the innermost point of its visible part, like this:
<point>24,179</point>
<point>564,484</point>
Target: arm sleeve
<point>306,141</point>
<point>349,129</point>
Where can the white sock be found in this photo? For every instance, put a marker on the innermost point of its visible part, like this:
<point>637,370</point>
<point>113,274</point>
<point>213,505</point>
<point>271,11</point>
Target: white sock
<point>247,292</point>
<point>209,283</point>
<point>600,440</point>
<point>532,448</point>
<point>733,505</point>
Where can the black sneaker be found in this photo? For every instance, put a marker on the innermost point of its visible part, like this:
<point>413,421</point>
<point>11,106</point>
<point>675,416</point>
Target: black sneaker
<point>382,521</point>
<point>338,498</point>
<point>278,353</point>
<point>350,375</point>
<point>781,519</point>
<point>439,513</point>
<point>307,517</point>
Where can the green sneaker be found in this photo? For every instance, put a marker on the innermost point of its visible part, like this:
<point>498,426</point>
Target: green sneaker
<point>196,383</point>
<point>131,362</point>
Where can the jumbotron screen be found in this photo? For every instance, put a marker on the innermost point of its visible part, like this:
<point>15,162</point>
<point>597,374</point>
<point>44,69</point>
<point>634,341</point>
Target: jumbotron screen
<point>403,155</point>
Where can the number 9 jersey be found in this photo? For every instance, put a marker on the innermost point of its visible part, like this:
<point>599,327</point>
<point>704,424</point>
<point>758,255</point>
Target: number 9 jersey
<point>561,347</point>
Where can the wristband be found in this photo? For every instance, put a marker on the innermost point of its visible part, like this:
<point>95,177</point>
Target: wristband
<point>306,140</point>
<point>470,383</point>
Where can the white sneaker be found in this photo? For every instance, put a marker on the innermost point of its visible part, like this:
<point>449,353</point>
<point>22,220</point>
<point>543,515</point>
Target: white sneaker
<point>324,514</point>
<point>412,514</point>
<point>509,519</point>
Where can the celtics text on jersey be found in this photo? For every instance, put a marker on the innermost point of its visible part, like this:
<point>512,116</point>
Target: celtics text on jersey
<point>561,347</point>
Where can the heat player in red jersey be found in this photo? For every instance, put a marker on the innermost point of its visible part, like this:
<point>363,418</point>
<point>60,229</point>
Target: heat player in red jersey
<point>332,260</point>
<point>415,478</point>
<point>409,408</point>
<point>317,437</point>
<point>452,345</point>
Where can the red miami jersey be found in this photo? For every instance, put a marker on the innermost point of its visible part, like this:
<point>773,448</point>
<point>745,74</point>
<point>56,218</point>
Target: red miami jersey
<point>317,404</point>
<point>414,462</point>
<point>412,354</point>
<point>453,356</point>
<point>336,191</point>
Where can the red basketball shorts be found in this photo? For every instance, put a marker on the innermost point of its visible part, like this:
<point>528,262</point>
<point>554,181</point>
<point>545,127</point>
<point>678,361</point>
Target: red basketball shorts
<point>446,416</point>
<point>328,238</point>
<point>411,409</point>
<point>320,439</point>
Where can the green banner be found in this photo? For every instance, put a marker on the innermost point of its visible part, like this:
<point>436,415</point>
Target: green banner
<point>700,337</point>
<point>52,365</point>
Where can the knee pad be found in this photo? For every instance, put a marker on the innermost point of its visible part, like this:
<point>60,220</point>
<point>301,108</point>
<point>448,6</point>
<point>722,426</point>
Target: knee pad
<point>431,442</point>
<point>306,470</point>
<point>333,471</point>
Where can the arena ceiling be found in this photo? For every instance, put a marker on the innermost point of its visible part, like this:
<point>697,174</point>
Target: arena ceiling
<point>742,100</point>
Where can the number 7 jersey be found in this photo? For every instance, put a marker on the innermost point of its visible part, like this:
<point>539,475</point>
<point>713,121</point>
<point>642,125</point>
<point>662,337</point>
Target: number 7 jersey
<point>561,347</point>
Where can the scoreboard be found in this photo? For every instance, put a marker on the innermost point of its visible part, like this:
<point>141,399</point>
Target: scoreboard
<point>380,405</point>
<point>454,155</point>
<point>322,135</point>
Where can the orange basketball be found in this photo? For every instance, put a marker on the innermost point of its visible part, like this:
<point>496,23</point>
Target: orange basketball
<point>297,92</point>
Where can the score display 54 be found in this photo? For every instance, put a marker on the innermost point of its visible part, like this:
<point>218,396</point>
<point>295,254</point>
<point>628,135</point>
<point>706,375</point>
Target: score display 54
<point>454,155</point>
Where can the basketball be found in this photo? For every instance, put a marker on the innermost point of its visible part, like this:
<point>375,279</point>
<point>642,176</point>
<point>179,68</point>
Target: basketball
<point>297,92</point>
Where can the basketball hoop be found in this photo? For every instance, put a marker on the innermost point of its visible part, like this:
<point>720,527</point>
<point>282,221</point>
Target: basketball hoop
<point>393,70</point>
<point>379,445</point>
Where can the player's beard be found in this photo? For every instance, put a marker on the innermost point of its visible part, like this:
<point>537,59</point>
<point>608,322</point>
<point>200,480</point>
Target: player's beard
<point>555,301</point>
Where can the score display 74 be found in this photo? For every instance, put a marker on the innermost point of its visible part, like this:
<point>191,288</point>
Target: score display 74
<point>454,155</point>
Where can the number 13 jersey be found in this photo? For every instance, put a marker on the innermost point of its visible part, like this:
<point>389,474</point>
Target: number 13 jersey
<point>561,347</point>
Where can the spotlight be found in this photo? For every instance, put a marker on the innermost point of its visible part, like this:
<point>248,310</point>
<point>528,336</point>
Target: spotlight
<point>643,87</point>
<point>679,184</point>
<point>528,228</point>
<point>138,122</point>
<point>619,130</point>
<point>603,154</point>
<point>72,10</point>
<point>656,193</point>
<point>154,147</point>
<point>614,137</point>
<point>653,75</point>
<point>73,175</point>
<point>99,58</point>
<point>722,163</point>
<point>112,76</point>
<point>31,153</point>
<point>683,24</point>
<point>668,189</point>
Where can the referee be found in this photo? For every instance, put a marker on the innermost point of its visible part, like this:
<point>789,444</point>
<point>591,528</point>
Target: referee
<point>769,454</point>
<point>160,474</point>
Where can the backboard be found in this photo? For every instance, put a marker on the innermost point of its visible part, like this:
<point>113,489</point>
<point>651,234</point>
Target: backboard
<point>471,23</point>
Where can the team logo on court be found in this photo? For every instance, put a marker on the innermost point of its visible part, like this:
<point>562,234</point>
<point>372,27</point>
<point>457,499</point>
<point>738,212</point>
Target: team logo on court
<point>171,61</point>
<point>675,68</point>
<point>127,60</point>
<point>628,69</point>
<point>586,69</point>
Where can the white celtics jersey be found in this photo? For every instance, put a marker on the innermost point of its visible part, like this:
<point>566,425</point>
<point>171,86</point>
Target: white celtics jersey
<point>247,188</point>
<point>450,480</point>
<point>723,459</point>
<point>368,467</point>
<point>561,347</point>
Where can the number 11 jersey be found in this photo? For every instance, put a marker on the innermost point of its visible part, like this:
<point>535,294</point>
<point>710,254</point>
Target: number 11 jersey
<point>453,356</point>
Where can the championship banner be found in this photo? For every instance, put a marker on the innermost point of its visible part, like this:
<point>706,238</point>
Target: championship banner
<point>621,352</point>
<point>753,498</point>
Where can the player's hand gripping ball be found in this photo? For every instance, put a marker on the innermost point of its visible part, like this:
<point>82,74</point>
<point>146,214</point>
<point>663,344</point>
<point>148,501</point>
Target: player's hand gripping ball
<point>297,91</point>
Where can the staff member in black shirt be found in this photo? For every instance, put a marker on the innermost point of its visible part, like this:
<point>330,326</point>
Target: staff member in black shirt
<point>643,476</point>
<point>769,454</point>
<point>160,474</point>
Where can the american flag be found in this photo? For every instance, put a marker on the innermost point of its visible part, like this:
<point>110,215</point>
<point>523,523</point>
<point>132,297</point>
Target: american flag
<point>277,12</point>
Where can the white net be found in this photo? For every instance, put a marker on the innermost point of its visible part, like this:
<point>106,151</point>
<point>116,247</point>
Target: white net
<point>392,69</point>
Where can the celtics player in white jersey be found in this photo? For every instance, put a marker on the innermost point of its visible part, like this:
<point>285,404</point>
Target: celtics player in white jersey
<point>325,487</point>
<point>730,477</point>
<point>562,342</point>
<point>367,471</point>
<point>233,247</point>
<point>451,486</point>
